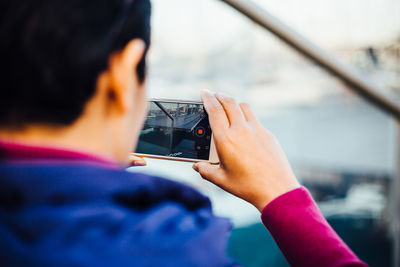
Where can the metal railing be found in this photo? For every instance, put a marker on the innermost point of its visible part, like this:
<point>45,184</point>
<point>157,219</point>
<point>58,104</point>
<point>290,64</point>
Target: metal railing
<point>357,82</point>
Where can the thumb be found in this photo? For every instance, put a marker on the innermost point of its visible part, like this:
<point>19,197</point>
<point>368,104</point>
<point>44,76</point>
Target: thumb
<point>136,161</point>
<point>210,172</point>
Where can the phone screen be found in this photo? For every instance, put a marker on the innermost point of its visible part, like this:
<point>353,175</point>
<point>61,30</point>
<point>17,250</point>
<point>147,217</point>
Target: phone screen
<point>176,129</point>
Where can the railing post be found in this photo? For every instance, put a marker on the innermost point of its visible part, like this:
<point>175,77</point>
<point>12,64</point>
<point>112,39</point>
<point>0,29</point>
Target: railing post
<point>396,204</point>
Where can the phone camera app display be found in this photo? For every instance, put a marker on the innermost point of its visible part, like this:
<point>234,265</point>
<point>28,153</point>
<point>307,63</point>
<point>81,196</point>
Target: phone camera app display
<point>176,129</point>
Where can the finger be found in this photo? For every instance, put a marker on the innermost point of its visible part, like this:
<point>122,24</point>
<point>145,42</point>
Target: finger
<point>216,114</point>
<point>136,161</point>
<point>210,172</point>
<point>231,108</point>
<point>247,112</point>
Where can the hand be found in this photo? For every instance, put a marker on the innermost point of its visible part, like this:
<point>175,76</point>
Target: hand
<point>252,166</point>
<point>136,161</point>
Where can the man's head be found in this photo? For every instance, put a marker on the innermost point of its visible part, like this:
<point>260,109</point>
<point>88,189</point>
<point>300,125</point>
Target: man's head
<point>71,61</point>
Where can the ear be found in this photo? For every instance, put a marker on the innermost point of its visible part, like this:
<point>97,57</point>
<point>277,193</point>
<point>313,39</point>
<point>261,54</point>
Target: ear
<point>121,77</point>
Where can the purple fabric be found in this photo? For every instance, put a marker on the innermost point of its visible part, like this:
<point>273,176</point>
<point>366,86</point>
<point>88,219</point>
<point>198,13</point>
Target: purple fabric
<point>56,211</point>
<point>44,154</point>
<point>302,233</point>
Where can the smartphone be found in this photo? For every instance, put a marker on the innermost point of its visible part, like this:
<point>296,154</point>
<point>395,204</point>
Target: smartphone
<point>177,130</point>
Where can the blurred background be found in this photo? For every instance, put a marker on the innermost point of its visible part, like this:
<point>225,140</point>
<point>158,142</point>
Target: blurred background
<point>341,147</point>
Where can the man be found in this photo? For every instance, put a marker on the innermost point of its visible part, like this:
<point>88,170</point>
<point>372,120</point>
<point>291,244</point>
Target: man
<point>73,103</point>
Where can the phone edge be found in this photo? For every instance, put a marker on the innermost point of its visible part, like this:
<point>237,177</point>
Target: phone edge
<point>212,158</point>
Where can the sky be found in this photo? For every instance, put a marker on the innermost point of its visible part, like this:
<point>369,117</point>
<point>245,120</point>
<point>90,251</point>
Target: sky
<point>357,22</point>
<point>330,23</point>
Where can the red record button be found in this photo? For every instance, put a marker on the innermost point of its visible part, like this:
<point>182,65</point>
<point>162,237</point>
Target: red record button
<point>200,131</point>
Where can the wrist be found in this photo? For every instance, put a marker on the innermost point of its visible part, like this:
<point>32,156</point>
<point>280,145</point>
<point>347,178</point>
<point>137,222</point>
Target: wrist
<point>261,202</point>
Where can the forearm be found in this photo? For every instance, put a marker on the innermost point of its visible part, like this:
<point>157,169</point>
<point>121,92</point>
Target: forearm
<point>303,234</point>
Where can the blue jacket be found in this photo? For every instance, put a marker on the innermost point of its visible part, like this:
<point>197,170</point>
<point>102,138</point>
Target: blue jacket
<point>86,215</point>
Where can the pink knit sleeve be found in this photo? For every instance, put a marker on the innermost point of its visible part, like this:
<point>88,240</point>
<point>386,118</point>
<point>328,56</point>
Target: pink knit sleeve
<point>302,233</point>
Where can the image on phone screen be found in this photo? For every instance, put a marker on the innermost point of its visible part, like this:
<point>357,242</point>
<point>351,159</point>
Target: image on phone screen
<point>176,129</point>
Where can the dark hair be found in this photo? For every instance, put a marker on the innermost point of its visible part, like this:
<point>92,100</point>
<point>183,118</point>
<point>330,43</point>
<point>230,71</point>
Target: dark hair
<point>53,51</point>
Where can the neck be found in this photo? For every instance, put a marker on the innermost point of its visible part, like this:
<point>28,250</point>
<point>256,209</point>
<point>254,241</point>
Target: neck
<point>74,137</point>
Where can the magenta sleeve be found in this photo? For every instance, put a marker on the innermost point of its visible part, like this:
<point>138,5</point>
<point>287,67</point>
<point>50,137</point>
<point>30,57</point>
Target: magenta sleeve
<point>302,233</point>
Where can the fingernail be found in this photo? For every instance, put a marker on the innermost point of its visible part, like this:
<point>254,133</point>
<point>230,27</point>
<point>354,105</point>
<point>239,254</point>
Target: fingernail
<point>206,91</point>
<point>219,96</point>
<point>139,163</point>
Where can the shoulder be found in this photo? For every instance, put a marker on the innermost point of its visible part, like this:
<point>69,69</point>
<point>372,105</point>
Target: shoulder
<point>167,223</point>
<point>108,217</point>
<point>41,183</point>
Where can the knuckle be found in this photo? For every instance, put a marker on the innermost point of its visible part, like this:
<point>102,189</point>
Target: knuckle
<point>238,133</point>
<point>225,138</point>
<point>243,129</point>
